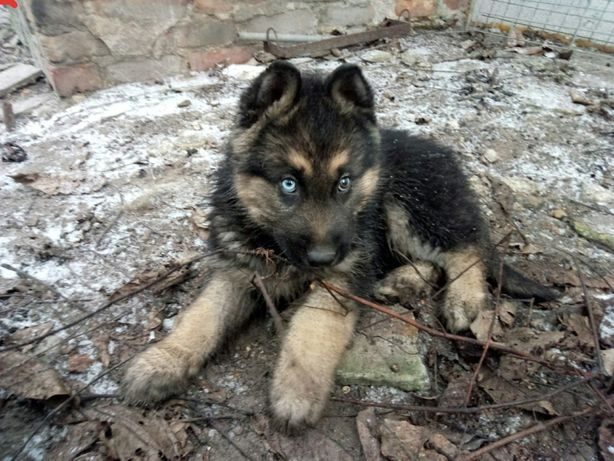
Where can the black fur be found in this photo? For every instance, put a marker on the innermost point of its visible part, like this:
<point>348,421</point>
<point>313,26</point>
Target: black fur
<point>323,116</point>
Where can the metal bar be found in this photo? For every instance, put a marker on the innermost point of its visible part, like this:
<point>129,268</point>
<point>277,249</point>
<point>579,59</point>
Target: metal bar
<point>291,38</point>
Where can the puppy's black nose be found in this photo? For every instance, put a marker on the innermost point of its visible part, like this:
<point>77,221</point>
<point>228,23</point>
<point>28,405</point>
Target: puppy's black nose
<point>321,255</point>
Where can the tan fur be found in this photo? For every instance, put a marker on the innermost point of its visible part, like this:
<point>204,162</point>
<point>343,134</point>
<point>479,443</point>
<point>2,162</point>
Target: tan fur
<point>367,185</point>
<point>318,335</point>
<point>165,367</point>
<point>257,195</point>
<point>338,160</point>
<point>407,282</point>
<point>467,295</point>
<point>300,161</point>
<point>402,238</point>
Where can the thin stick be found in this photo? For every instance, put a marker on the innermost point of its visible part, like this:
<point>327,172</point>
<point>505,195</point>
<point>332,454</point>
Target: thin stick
<point>25,275</point>
<point>591,318</point>
<point>104,307</point>
<point>279,324</point>
<point>539,427</point>
<point>491,328</point>
<point>63,405</point>
<point>465,410</point>
<point>441,334</point>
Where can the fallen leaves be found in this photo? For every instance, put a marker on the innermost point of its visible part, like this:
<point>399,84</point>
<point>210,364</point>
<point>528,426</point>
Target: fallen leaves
<point>78,363</point>
<point>366,426</point>
<point>29,377</point>
<point>131,434</point>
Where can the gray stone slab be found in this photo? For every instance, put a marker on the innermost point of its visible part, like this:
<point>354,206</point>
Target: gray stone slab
<point>17,76</point>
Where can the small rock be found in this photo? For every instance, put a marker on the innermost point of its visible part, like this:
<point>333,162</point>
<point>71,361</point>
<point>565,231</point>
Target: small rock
<point>467,44</point>
<point>346,389</point>
<point>597,228</point>
<point>264,57</point>
<point>376,56</point>
<point>491,155</point>
<point>580,98</point>
<point>565,54</point>
<point>420,120</point>
<point>558,213</point>
<point>608,361</point>
<point>11,152</point>
<point>453,125</point>
<point>598,194</point>
<point>385,345</point>
<point>185,103</point>
<point>336,52</point>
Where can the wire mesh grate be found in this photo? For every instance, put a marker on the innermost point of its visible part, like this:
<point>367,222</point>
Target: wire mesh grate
<point>585,22</point>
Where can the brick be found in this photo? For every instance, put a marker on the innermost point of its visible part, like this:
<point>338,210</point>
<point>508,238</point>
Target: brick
<point>71,47</point>
<point>196,33</point>
<point>457,5</point>
<point>416,8</point>
<point>17,76</point>
<point>53,17</point>
<point>214,7</point>
<point>347,16</point>
<point>138,70</point>
<point>207,59</point>
<point>141,22</point>
<point>67,80</point>
<point>296,21</point>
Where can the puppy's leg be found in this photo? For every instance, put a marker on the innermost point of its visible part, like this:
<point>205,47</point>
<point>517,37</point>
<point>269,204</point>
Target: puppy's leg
<point>405,283</point>
<point>318,335</point>
<point>467,294</point>
<point>165,367</point>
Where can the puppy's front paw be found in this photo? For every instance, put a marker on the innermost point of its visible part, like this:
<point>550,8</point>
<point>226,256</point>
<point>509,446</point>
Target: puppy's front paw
<point>407,282</point>
<point>154,375</point>
<point>462,306</point>
<point>297,398</point>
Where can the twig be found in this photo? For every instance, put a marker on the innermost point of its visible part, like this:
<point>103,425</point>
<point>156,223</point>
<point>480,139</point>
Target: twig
<point>591,318</point>
<point>465,410</point>
<point>279,324</point>
<point>539,427</point>
<point>491,328</point>
<point>230,441</point>
<point>442,334</point>
<point>25,275</point>
<point>104,307</point>
<point>63,405</point>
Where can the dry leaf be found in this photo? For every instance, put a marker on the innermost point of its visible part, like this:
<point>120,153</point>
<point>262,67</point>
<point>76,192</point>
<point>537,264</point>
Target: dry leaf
<point>401,440</point>
<point>132,434</point>
<point>365,423</point>
<point>608,361</point>
<point>606,439</point>
<point>580,326</point>
<point>78,363</point>
<point>30,333</point>
<point>442,445</point>
<point>79,439</point>
<point>507,312</point>
<point>102,344</point>
<point>456,392</point>
<point>309,445</point>
<point>29,377</point>
<point>579,98</point>
<point>200,223</point>
<point>149,276</point>
<point>59,184</point>
<point>500,390</point>
<point>481,326</point>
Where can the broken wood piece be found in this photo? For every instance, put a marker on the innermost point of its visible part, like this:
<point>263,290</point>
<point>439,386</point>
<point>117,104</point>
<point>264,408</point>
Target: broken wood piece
<point>17,76</point>
<point>322,47</point>
<point>579,97</point>
<point>8,115</point>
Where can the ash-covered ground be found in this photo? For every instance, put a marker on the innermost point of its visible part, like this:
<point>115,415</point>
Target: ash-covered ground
<point>113,194</point>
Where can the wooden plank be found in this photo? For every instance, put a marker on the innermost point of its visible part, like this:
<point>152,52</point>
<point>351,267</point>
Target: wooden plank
<point>17,76</point>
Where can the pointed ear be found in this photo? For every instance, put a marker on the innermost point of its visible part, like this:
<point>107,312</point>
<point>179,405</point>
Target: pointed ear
<point>274,92</point>
<point>349,89</point>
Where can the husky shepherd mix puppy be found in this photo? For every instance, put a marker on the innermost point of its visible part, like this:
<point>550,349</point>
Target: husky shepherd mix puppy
<point>309,175</point>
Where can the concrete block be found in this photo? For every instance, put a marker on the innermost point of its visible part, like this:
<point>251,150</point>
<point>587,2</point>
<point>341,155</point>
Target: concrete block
<point>67,80</point>
<point>17,76</point>
<point>54,17</point>
<point>199,31</point>
<point>214,7</point>
<point>141,23</point>
<point>207,59</point>
<point>297,21</point>
<point>71,47</point>
<point>347,15</point>
<point>416,8</point>
<point>142,69</point>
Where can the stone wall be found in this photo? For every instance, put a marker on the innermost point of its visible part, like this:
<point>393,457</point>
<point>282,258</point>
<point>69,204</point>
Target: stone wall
<point>83,45</point>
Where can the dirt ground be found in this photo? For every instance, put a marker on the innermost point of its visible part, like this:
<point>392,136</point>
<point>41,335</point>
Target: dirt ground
<point>112,196</point>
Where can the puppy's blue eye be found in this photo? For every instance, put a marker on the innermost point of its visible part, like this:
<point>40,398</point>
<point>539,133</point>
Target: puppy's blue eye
<point>288,185</point>
<point>344,184</point>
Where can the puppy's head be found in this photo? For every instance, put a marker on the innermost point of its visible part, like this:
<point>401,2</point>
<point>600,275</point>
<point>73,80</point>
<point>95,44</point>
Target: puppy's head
<point>306,159</point>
